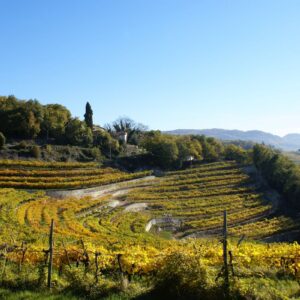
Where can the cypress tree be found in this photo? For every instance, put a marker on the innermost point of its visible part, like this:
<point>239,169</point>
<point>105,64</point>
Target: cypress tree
<point>88,116</point>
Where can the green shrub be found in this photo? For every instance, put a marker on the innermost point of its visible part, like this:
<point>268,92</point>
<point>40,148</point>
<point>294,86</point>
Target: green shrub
<point>279,172</point>
<point>96,154</point>
<point>233,152</point>
<point>49,149</point>
<point>83,284</point>
<point>2,140</point>
<point>181,277</point>
<point>36,152</point>
<point>108,145</point>
<point>22,145</point>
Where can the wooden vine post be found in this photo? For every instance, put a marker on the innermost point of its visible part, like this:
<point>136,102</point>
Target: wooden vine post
<point>225,259</point>
<point>67,255</point>
<point>97,267</point>
<point>23,251</point>
<point>124,279</point>
<point>50,265</point>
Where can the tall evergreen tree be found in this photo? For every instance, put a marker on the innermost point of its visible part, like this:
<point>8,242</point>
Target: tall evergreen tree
<point>88,116</point>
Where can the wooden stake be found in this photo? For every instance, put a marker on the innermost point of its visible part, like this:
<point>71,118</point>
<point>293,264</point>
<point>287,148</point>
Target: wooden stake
<point>231,262</point>
<point>97,267</point>
<point>67,255</point>
<point>86,258</point>
<point>22,258</point>
<point>50,265</point>
<point>124,279</point>
<point>4,263</point>
<point>225,259</point>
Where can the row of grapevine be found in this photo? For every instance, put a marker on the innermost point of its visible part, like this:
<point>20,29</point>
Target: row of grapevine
<point>43,175</point>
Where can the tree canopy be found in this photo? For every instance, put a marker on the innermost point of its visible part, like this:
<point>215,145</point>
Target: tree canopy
<point>124,124</point>
<point>281,173</point>
<point>78,133</point>
<point>30,119</point>
<point>54,123</point>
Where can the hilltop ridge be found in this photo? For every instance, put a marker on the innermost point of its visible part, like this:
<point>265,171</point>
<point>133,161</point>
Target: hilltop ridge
<point>289,142</point>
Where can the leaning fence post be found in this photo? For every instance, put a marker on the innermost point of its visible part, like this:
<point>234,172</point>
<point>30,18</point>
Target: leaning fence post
<point>50,265</point>
<point>231,262</point>
<point>225,259</point>
<point>4,263</point>
<point>23,251</point>
<point>86,258</point>
<point>67,255</point>
<point>97,267</point>
<point>124,279</point>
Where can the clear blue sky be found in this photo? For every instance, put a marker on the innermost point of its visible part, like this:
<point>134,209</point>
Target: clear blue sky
<point>168,64</point>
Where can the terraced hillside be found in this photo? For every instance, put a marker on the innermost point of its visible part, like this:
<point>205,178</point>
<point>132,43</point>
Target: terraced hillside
<point>135,226</point>
<point>187,203</point>
<point>191,203</point>
<point>41,175</point>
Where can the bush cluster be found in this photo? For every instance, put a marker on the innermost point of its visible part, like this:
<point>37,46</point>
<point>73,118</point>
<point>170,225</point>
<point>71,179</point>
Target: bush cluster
<point>172,151</point>
<point>281,173</point>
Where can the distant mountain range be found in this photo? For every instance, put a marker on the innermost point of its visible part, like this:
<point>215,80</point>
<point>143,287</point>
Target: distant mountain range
<point>290,142</point>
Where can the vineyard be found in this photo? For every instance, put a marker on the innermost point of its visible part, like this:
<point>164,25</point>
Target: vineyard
<point>41,175</point>
<point>192,201</point>
<point>133,227</point>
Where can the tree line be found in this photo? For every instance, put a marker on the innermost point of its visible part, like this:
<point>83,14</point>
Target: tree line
<point>30,119</point>
<point>280,173</point>
<point>53,123</point>
<point>170,151</point>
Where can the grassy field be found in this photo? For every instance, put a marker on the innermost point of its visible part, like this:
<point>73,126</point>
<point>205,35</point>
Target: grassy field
<point>139,229</point>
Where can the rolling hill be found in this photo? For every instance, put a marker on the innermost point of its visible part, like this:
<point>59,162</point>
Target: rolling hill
<point>290,142</point>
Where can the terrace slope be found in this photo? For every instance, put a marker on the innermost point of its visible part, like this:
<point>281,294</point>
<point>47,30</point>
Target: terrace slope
<point>134,206</point>
<point>43,175</point>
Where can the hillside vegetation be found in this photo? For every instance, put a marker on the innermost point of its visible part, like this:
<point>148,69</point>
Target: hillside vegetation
<point>114,228</point>
<point>281,174</point>
<point>156,232</point>
<point>294,156</point>
<point>41,175</point>
<point>29,130</point>
<point>289,142</point>
<point>196,198</point>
